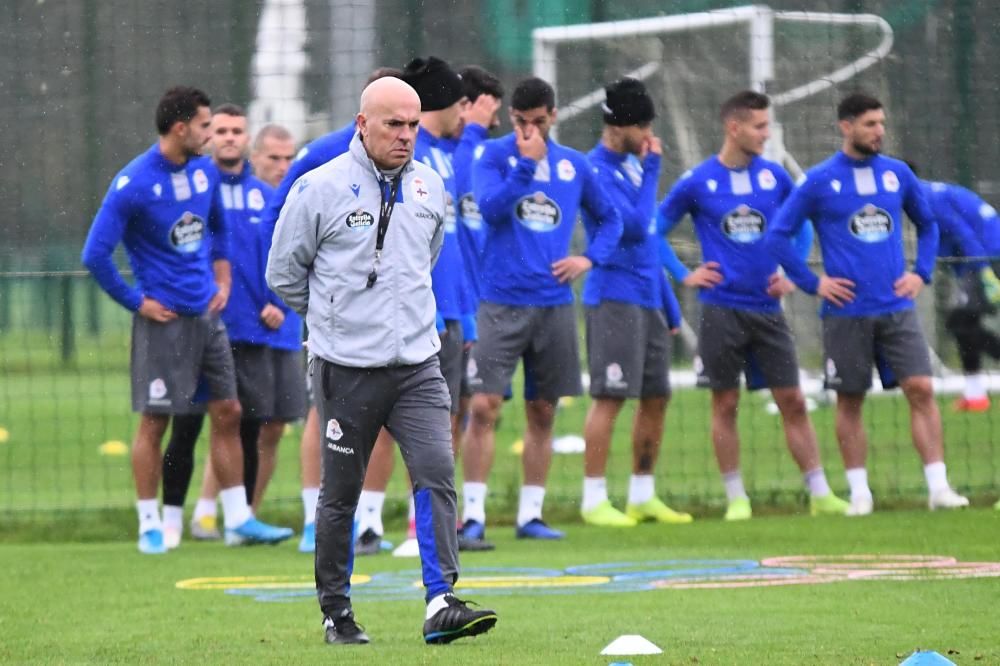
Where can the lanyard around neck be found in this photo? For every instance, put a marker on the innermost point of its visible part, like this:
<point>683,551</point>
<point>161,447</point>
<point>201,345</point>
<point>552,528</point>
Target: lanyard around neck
<point>385,212</point>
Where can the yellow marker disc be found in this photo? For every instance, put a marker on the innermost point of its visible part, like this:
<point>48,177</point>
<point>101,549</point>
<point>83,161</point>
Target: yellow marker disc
<point>4,435</point>
<point>517,448</point>
<point>113,448</point>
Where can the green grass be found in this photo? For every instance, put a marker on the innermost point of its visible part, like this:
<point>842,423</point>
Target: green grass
<point>57,420</point>
<point>105,603</point>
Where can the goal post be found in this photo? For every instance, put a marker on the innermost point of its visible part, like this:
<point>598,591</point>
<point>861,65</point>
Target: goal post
<point>759,23</point>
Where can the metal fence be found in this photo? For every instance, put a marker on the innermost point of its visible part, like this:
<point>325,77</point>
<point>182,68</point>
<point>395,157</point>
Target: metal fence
<point>80,79</point>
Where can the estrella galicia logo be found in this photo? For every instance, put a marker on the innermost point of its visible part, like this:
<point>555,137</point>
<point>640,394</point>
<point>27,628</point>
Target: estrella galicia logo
<point>469,209</point>
<point>187,233</point>
<point>360,219</point>
<point>871,224</point>
<point>538,212</point>
<point>744,224</point>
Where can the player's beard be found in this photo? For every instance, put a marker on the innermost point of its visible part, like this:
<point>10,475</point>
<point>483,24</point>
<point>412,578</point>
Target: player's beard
<point>229,163</point>
<point>865,149</point>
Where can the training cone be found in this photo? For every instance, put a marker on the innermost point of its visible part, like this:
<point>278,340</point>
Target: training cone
<point>4,435</point>
<point>569,444</point>
<point>631,644</point>
<point>927,658</point>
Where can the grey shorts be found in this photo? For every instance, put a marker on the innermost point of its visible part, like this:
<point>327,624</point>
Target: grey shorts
<point>732,341</point>
<point>545,337</point>
<point>171,361</point>
<point>893,343</point>
<point>628,351</point>
<point>450,355</point>
<point>269,382</point>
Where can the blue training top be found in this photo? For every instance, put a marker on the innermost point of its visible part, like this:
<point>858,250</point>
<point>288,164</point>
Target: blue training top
<point>163,214</point>
<point>448,278</point>
<point>244,197</point>
<point>857,208</point>
<point>530,210</point>
<point>633,273</point>
<point>471,230</point>
<point>731,210</point>
<point>969,226</point>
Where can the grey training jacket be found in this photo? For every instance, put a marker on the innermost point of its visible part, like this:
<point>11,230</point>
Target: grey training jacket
<point>324,248</point>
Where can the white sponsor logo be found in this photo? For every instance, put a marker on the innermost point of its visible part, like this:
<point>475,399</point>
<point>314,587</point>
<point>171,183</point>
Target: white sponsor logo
<point>613,375</point>
<point>835,184</point>
<point>346,450</point>
<point>831,372</point>
<point>333,430</point>
<point>420,190</point>
<point>766,179</point>
<point>200,181</point>
<point>538,212</point>
<point>871,224</point>
<point>565,170</point>
<point>712,184</point>
<point>470,212</point>
<point>512,161</point>
<point>187,233</point>
<point>157,389</point>
<point>478,152</point>
<point>743,224</point>
<point>890,182</point>
<point>122,182</point>
<point>157,189</point>
<point>255,199</point>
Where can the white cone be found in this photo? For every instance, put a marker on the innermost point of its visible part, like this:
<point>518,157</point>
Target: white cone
<point>631,644</point>
<point>408,548</point>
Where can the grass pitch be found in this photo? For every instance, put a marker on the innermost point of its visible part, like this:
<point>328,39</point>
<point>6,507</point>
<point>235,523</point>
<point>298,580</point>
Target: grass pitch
<point>105,603</point>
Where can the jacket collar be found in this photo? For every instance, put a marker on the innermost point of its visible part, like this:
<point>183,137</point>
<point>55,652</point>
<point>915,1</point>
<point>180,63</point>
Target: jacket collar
<point>358,152</point>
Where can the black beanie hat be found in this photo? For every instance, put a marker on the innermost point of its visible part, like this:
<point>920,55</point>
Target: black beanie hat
<point>437,84</point>
<point>627,103</point>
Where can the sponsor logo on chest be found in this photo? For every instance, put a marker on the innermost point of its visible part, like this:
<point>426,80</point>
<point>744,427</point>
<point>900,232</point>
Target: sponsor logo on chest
<point>744,224</point>
<point>538,212</point>
<point>187,233</point>
<point>871,224</point>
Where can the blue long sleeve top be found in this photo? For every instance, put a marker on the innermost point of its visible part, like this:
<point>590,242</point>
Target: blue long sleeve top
<point>633,273</point>
<point>856,207</point>
<point>969,226</point>
<point>448,278</point>
<point>731,210</point>
<point>244,198</point>
<point>164,214</point>
<point>530,210</point>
